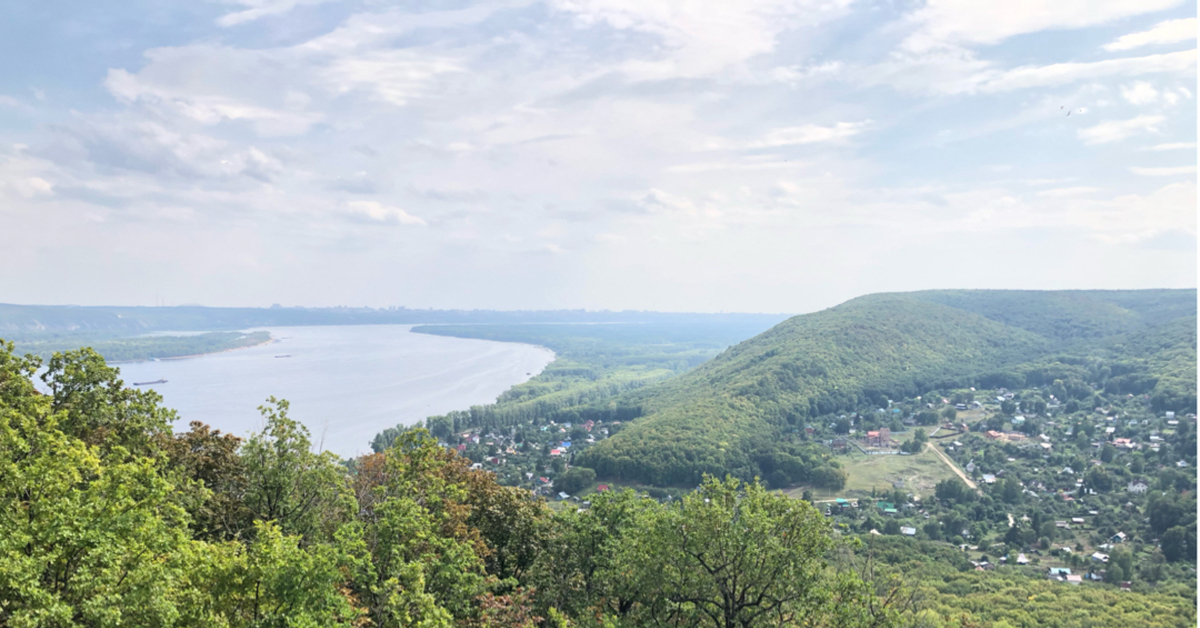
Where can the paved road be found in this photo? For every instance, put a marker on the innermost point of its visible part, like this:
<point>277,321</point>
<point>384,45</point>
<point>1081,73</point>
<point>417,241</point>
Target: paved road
<point>953,467</point>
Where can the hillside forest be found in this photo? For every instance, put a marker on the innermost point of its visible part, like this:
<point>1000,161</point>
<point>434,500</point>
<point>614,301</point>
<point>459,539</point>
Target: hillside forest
<point>110,518</point>
<point>650,476</point>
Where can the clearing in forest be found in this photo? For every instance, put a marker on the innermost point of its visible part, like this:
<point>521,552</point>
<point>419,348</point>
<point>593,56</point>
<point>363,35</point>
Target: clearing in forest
<point>919,474</point>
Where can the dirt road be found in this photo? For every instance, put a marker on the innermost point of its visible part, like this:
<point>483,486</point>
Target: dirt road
<point>953,467</point>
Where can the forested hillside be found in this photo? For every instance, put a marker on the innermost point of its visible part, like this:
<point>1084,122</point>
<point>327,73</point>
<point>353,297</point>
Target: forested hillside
<point>108,518</point>
<point>721,417</point>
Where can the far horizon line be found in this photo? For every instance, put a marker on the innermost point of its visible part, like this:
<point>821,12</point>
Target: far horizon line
<point>386,308</point>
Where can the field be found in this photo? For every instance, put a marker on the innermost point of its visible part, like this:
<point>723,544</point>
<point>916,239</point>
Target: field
<point>920,474</point>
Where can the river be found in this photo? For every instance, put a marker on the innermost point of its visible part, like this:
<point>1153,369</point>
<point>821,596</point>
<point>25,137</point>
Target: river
<point>345,383</point>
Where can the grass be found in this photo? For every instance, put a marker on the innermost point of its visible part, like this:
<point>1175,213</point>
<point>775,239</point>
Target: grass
<point>920,474</point>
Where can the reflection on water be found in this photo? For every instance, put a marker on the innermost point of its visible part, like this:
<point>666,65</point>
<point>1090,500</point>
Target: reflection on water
<point>346,383</point>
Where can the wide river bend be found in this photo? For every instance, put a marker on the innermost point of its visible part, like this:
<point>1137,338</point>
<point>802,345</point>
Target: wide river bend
<point>346,383</point>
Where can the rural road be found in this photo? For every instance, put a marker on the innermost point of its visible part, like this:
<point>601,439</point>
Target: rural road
<point>953,467</point>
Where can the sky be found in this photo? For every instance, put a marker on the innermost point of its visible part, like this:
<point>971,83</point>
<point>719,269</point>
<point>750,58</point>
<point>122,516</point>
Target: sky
<point>750,156</point>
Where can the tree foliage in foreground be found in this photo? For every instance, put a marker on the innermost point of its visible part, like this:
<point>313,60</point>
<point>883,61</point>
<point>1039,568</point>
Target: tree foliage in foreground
<point>107,518</point>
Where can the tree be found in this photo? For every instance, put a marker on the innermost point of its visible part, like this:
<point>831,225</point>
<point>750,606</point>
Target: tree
<point>952,491</point>
<point>306,493</point>
<point>1114,573</point>
<point>580,570</point>
<point>891,527</point>
<point>842,426</point>
<point>1179,543</point>
<point>441,427</point>
<point>270,581</point>
<point>575,479</point>
<point>414,558</point>
<point>732,554</point>
<point>1014,537</point>
<point>99,409</point>
<point>927,417</point>
<point>1048,530</point>
<point>88,529</point>
<point>1107,453</point>
<point>1008,407</point>
<point>1137,463</point>
<point>829,477</point>
<point>1010,491</point>
<point>210,473</point>
<point>1099,479</point>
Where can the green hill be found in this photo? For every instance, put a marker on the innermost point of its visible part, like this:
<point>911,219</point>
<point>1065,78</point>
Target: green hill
<point>727,415</point>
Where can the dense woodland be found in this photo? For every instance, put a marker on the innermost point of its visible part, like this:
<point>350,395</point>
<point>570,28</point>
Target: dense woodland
<point>742,412</point>
<point>894,346</point>
<point>108,518</point>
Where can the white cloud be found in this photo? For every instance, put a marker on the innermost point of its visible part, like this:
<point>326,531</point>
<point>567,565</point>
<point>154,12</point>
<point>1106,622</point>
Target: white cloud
<point>796,74</point>
<point>1072,191</point>
<point>629,135</point>
<point>278,91</point>
<point>378,212</point>
<point>1140,93</point>
<point>958,71</point>
<point>1116,130</point>
<point>1064,73</point>
<point>1173,146</point>
<point>128,144</point>
<point>1162,172</point>
<point>942,22</point>
<point>257,9</point>
<point>214,85</point>
<point>714,166</point>
<point>394,76</point>
<point>701,38</point>
<point>1168,32</point>
<point>809,134</point>
<point>28,187</point>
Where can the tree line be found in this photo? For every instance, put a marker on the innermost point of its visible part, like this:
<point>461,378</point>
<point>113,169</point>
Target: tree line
<point>110,518</point>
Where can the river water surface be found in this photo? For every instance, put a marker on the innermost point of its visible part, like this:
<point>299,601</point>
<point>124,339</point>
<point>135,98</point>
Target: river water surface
<point>346,383</point>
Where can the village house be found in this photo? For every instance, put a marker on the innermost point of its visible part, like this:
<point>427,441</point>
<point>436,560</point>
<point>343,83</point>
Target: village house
<point>1137,487</point>
<point>880,438</point>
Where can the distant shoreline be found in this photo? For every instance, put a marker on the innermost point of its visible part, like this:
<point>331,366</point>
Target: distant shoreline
<point>268,341</point>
